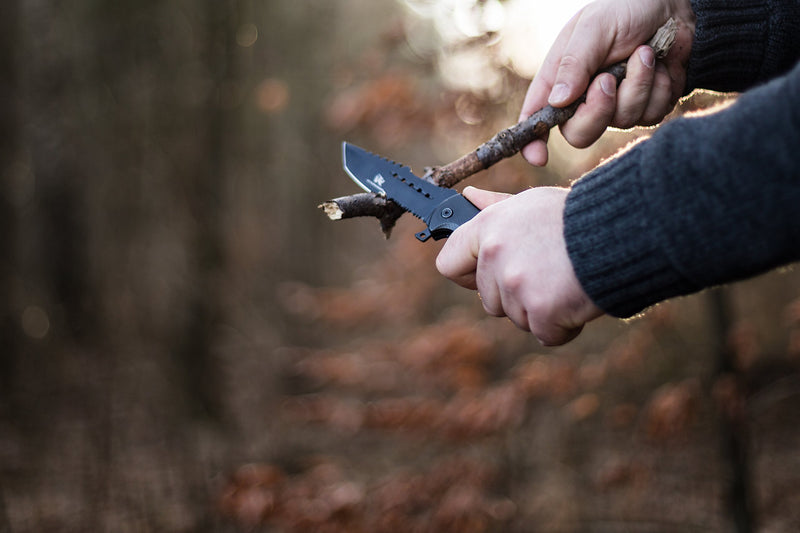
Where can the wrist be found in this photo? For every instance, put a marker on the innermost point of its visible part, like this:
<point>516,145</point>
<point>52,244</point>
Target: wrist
<point>613,247</point>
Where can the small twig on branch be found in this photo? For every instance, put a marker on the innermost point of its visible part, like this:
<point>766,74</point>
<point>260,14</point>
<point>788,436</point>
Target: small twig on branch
<point>503,145</point>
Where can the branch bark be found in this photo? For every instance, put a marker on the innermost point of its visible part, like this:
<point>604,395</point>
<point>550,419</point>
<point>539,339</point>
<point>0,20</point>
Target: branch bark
<point>364,205</point>
<point>503,145</point>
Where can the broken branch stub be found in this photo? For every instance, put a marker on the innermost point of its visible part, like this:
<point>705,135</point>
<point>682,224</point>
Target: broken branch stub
<point>364,205</point>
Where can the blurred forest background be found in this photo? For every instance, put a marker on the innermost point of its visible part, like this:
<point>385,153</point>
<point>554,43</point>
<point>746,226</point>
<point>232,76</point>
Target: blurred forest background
<point>188,344</point>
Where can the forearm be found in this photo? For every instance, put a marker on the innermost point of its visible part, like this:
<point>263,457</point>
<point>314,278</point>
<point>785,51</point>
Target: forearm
<point>705,201</point>
<point>740,43</point>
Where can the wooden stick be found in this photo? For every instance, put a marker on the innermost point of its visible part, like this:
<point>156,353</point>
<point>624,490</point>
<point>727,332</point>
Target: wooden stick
<point>364,205</point>
<point>505,144</point>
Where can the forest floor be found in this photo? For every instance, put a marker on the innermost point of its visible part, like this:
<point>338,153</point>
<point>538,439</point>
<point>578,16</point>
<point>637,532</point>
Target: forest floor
<point>459,424</point>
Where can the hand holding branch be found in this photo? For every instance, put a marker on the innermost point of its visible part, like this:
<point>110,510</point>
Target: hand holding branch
<point>503,145</point>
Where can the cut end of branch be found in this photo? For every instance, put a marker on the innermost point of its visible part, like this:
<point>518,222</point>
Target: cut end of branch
<point>364,204</point>
<point>331,208</point>
<point>664,38</point>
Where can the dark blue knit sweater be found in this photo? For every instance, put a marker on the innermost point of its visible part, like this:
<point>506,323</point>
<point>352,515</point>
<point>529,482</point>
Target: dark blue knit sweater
<point>710,199</point>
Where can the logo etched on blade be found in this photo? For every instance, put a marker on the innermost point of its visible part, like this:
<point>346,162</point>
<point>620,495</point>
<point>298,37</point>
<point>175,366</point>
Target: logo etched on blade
<point>378,182</point>
<point>397,182</point>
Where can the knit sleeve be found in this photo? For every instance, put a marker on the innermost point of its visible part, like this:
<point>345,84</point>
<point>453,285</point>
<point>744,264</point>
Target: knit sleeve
<point>705,201</point>
<point>740,43</point>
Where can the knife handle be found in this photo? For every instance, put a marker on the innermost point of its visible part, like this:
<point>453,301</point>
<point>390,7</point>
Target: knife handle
<point>447,217</point>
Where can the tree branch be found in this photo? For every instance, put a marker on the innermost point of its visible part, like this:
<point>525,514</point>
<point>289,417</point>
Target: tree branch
<point>503,145</point>
<point>364,205</point>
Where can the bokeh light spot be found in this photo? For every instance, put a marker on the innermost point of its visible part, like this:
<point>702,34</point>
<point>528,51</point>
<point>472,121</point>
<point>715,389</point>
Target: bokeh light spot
<point>272,95</point>
<point>246,35</point>
<point>35,322</point>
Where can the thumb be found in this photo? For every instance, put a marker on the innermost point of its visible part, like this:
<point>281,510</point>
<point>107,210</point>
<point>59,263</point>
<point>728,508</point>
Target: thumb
<point>483,198</point>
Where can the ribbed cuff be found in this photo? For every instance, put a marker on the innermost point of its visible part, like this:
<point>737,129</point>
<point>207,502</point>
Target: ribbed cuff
<point>730,43</point>
<point>740,43</point>
<point>612,243</point>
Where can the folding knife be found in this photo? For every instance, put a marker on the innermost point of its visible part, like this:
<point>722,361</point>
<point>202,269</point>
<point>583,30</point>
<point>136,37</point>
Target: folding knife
<point>442,210</point>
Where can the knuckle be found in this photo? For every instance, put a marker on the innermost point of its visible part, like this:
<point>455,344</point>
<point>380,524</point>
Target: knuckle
<point>491,249</point>
<point>568,62</point>
<point>662,84</point>
<point>571,66</point>
<point>513,279</point>
<point>539,312</point>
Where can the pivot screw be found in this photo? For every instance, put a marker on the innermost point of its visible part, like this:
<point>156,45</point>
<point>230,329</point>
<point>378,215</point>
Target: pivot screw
<point>447,212</point>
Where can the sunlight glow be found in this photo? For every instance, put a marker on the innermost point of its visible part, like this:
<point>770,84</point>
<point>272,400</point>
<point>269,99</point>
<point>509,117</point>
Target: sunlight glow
<point>532,26</point>
<point>516,33</point>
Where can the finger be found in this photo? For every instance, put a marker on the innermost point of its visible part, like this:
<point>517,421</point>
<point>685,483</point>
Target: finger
<point>635,90</point>
<point>677,76</point>
<point>592,117</point>
<point>482,198</point>
<point>465,280</point>
<point>536,152</point>
<point>583,55</point>
<point>535,100</point>
<point>662,99</point>
<point>489,294</point>
<point>538,92</point>
<point>517,315</point>
<point>542,84</point>
<point>458,258</point>
<point>536,96</point>
<point>511,291</point>
<point>555,335</point>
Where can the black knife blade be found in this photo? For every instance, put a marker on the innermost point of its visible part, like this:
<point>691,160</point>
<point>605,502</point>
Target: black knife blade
<point>441,209</point>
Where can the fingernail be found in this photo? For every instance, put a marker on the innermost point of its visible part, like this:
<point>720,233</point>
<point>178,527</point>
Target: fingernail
<point>608,85</point>
<point>647,56</point>
<point>559,94</point>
